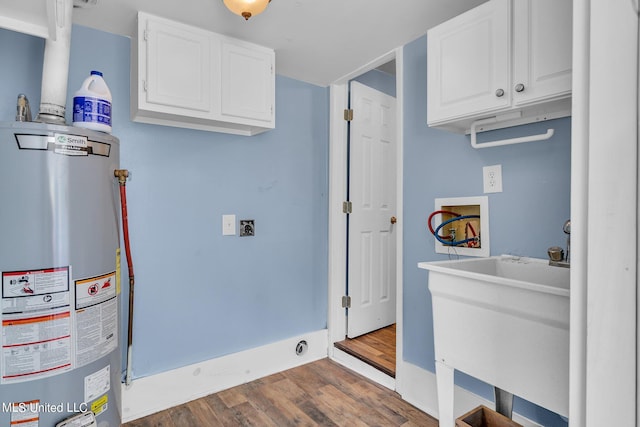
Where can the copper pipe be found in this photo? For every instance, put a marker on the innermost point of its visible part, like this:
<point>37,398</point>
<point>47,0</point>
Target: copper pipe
<point>122,175</point>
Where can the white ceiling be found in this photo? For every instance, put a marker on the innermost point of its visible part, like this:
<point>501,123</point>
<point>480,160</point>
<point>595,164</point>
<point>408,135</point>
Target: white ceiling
<point>316,41</point>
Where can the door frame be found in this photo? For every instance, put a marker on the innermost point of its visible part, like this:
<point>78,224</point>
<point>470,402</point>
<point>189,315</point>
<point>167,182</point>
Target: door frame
<point>338,179</point>
<point>602,361</point>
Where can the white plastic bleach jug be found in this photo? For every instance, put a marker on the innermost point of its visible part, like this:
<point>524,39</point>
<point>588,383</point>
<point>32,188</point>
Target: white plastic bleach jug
<point>92,104</point>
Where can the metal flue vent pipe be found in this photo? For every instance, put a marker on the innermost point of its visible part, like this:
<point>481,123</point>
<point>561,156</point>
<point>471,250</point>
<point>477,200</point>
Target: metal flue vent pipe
<point>55,68</point>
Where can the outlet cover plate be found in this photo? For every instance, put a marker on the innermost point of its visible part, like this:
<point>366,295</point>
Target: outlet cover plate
<point>228,225</point>
<point>492,178</point>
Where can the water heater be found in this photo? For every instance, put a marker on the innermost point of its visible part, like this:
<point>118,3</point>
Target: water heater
<point>59,261</point>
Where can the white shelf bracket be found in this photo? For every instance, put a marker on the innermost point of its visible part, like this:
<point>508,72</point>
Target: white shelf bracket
<point>518,140</point>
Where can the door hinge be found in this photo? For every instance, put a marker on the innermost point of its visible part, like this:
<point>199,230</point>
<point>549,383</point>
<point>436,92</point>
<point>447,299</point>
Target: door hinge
<point>347,207</point>
<point>348,114</point>
<point>146,35</point>
<point>144,85</point>
<point>346,301</point>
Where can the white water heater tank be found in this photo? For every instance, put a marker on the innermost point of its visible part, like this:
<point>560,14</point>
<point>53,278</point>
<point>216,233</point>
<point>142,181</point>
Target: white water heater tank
<point>59,270</point>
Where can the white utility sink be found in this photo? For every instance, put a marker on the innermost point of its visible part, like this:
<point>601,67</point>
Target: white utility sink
<point>505,321</point>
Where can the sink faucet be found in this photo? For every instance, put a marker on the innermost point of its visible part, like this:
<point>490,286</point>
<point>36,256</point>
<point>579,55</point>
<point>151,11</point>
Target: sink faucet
<point>557,256</point>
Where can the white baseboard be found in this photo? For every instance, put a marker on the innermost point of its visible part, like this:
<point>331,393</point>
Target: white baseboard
<point>418,387</point>
<point>155,393</point>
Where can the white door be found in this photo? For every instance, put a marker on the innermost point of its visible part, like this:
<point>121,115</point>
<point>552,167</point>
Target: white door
<point>372,192</point>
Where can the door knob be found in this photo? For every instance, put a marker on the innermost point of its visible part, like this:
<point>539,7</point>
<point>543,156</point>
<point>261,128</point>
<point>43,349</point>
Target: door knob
<point>394,220</point>
<point>519,87</point>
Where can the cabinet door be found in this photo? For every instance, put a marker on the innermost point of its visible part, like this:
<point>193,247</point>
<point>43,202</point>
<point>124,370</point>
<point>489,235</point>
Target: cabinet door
<point>542,50</point>
<point>178,67</point>
<point>468,63</point>
<point>248,82</point>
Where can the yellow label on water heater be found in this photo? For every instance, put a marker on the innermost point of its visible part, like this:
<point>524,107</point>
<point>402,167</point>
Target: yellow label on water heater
<point>100,405</point>
<point>118,271</point>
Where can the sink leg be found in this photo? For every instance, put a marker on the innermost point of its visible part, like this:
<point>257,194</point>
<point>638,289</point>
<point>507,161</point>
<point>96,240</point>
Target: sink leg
<point>504,402</point>
<point>444,382</point>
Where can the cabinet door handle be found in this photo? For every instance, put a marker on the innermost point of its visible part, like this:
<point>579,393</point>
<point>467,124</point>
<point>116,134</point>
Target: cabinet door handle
<point>499,92</point>
<point>519,87</point>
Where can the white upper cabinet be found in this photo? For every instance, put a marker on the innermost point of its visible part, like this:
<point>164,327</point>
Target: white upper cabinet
<point>468,62</point>
<point>506,59</point>
<point>178,72</point>
<point>541,50</point>
<point>187,77</point>
<point>247,71</point>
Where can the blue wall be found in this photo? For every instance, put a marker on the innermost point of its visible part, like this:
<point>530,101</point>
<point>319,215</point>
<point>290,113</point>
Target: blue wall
<point>200,295</point>
<point>525,219</point>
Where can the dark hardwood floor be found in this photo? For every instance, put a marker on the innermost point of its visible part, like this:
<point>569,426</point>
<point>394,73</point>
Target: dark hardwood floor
<point>321,393</point>
<point>377,348</point>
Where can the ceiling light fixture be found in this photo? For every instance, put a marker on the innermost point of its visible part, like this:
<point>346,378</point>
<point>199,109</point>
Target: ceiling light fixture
<point>246,8</point>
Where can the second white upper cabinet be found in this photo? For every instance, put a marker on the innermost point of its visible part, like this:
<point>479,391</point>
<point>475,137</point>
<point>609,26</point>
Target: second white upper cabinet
<point>502,57</point>
<point>541,50</point>
<point>248,92</point>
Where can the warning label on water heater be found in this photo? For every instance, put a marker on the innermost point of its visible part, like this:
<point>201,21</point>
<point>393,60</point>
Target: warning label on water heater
<point>36,324</point>
<point>35,347</point>
<point>96,318</point>
<point>35,290</point>
<point>95,290</point>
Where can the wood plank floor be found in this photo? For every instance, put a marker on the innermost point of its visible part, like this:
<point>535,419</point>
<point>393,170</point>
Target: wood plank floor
<point>377,348</point>
<point>321,393</point>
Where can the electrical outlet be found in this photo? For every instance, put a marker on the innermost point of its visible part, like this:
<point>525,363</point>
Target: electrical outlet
<point>228,225</point>
<point>492,178</point>
<point>247,227</point>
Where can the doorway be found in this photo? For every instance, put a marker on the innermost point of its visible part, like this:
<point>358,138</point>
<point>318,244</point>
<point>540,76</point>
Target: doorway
<point>371,237</point>
<point>338,246</point>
